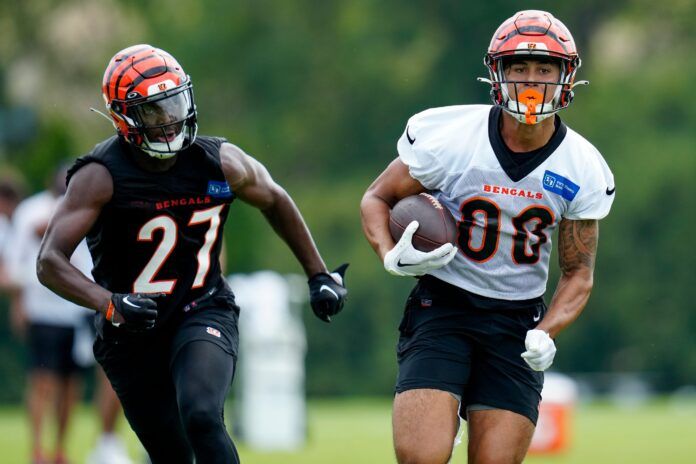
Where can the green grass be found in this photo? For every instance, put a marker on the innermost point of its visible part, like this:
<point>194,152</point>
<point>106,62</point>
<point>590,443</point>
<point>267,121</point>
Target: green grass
<point>357,431</point>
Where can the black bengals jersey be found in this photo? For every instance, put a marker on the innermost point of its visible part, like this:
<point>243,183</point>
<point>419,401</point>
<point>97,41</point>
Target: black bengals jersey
<point>161,232</point>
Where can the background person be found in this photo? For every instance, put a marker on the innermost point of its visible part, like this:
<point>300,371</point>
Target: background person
<point>11,193</point>
<point>46,321</point>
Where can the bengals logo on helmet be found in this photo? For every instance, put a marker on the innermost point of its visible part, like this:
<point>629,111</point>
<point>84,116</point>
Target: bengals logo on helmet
<point>132,69</point>
<point>533,26</point>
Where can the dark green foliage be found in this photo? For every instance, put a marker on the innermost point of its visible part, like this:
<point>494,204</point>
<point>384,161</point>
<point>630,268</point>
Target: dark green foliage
<point>320,92</point>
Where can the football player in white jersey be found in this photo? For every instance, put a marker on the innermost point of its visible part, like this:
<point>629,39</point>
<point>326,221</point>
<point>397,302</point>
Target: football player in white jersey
<point>476,335</point>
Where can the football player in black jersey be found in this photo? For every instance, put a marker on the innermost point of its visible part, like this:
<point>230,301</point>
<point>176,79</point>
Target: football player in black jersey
<point>152,202</point>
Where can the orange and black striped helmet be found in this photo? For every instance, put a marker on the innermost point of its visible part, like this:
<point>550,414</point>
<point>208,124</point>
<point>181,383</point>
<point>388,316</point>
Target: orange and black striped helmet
<point>150,100</point>
<point>533,34</point>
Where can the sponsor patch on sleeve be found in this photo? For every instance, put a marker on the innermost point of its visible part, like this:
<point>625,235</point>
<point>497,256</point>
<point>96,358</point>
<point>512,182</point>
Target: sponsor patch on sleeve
<point>560,185</point>
<point>213,332</point>
<point>219,189</point>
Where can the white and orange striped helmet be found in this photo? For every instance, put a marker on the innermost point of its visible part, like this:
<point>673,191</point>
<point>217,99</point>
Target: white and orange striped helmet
<point>532,34</point>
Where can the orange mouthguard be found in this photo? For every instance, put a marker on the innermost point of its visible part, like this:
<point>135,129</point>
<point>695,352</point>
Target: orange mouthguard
<point>531,98</point>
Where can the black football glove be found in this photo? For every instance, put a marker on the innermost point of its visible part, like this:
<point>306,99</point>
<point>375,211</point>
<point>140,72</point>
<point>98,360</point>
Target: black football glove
<point>327,293</point>
<point>138,310</point>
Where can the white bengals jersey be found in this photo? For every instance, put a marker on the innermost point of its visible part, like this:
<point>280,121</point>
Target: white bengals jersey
<point>506,212</point>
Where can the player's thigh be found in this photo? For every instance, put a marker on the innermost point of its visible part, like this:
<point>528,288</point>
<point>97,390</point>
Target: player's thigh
<point>216,325</point>
<point>425,424</point>
<point>204,353</point>
<point>202,373</point>
<point>139,374</point>
<point>432,353</point>
<point>500,378</point>
<point>498,436</point>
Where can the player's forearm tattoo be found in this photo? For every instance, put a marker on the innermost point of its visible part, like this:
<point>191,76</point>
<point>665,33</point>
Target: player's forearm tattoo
<point>577,244</point>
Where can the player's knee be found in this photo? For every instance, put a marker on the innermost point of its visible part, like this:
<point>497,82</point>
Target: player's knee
<point>418,452</point>
<point>496,456</point>
<point>201,421</point>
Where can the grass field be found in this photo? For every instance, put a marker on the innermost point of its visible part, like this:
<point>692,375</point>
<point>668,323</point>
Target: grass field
<point>357,431</point>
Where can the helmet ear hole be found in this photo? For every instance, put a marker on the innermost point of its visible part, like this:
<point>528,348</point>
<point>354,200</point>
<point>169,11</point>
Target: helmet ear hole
<point>566,98</point>
<point>496,94</point>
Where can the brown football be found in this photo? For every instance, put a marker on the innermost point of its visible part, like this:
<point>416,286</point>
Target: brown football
<point>436,224</point>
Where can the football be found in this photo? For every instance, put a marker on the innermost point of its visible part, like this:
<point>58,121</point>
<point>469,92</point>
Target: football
<point>436,224</point>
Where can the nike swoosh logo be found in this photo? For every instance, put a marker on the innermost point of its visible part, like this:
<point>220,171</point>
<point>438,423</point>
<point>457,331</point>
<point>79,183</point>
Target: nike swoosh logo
<point>125,300</point>
<point>537,316</point>
<point>611,191</point>
<point>400,264</point>
<point>326,288</point>
<point>408,136</point>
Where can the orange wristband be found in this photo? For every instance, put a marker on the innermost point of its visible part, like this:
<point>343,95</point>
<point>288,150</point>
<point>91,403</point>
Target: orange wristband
<point>110,311</point>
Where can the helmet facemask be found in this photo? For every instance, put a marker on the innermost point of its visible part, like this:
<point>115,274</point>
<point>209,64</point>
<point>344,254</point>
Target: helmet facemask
<point>162,124</point>
<point>530,106</point>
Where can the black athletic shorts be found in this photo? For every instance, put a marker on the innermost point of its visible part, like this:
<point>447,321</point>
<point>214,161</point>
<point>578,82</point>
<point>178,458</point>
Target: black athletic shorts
<point>149,354</point>
<point>159,348</point>
<point>469,345</point>
<point>51,349</point>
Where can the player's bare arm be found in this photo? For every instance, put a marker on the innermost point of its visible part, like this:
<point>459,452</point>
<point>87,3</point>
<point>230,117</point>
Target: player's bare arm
<point>577,247</point>
<point>253,184</point>
<point>392,185</point>
<point>89,190</point>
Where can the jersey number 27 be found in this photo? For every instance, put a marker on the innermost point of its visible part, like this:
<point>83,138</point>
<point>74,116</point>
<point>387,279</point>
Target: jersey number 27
<point>146,283</point>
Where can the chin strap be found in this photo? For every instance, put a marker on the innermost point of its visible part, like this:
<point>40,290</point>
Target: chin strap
<point>164,150</point>
<point>530,99</point>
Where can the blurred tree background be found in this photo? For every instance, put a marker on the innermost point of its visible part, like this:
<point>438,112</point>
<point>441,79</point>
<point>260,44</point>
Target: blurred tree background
<point>319,91</point>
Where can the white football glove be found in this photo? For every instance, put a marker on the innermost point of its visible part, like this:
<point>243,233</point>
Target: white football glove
<point>404,260</point>
<point>540,350</point>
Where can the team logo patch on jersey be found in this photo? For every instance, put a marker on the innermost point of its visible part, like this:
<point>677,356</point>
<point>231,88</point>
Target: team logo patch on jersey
<point>213,332</point>
<point>219,189</point>
<point>560,185</point>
